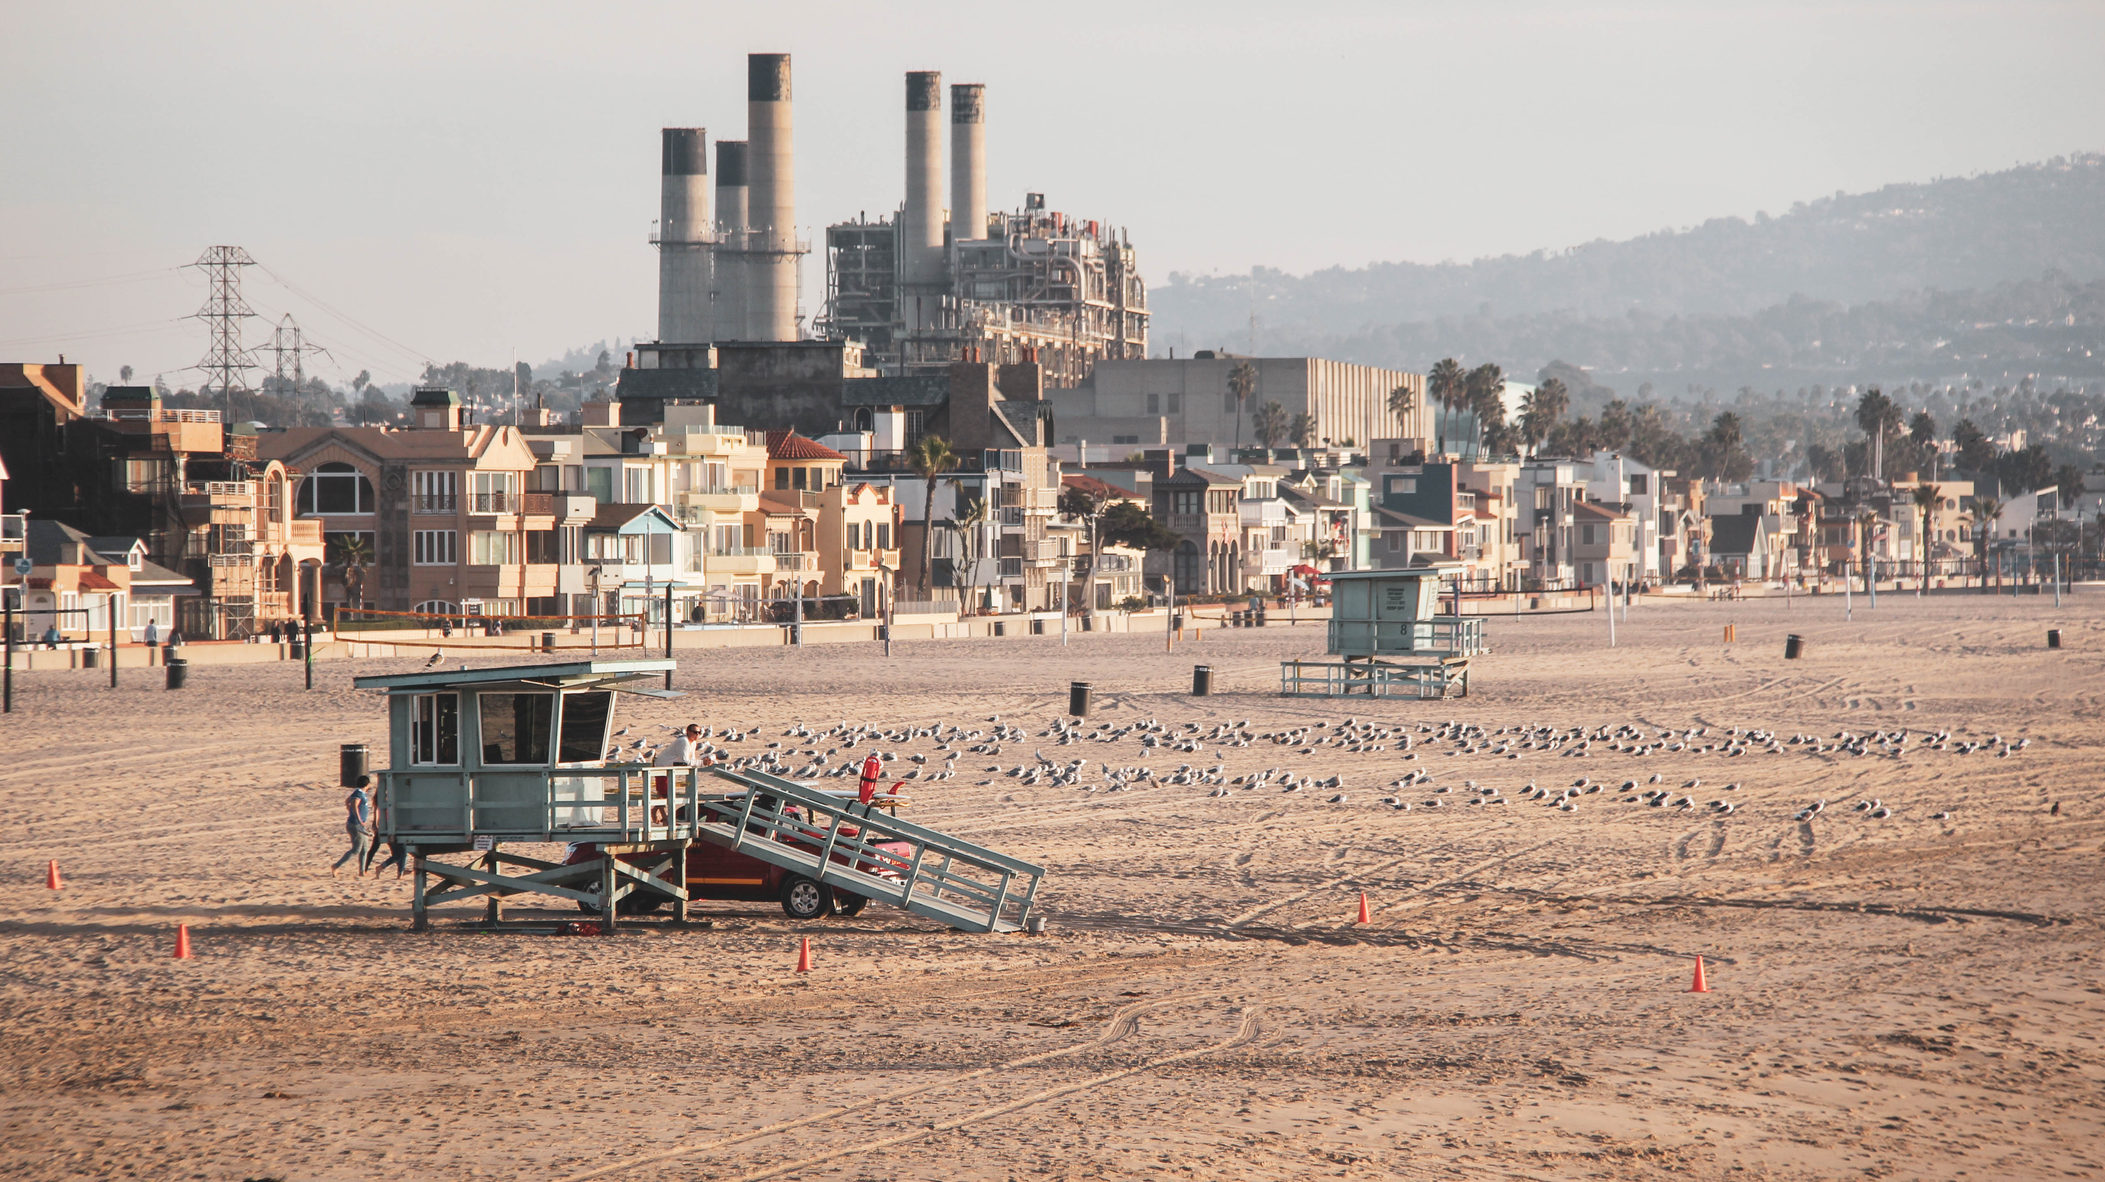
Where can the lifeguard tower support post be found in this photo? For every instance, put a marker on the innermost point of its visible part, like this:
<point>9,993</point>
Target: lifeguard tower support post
<point>521,754</point>
<point>1389,640</point>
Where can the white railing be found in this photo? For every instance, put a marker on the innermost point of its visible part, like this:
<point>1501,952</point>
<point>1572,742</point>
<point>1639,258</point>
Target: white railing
<point>159,416</point>
<point>221,488</point>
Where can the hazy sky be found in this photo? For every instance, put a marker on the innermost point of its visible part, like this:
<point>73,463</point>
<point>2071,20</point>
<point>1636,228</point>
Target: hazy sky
<point>477,181</point>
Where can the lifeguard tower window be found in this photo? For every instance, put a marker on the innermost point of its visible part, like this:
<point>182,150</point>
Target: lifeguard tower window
<point>434,736</point>
<point>515,728</point>
<point>584,727</point>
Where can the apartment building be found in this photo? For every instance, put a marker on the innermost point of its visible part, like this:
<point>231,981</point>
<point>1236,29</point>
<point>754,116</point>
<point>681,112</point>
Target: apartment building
<point>441,507</point>
<point>1604,544</point>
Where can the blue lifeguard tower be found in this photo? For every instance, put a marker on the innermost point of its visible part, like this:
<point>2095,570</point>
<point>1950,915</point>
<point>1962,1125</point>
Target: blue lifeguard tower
<point>482,759</point>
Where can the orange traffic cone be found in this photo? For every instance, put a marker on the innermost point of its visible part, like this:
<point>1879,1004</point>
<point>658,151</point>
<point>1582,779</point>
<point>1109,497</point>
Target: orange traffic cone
<point>182,941</point>
<point>1701,985</point>
<point>1364,915</point>
<point>804,956</point>
<point>51,880</point>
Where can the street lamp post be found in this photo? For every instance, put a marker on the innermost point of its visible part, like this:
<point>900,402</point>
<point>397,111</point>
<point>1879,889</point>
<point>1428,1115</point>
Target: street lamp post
<point>594,574</point>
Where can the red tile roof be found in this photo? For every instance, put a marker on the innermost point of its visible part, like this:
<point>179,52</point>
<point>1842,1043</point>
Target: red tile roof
<point>788,445</point>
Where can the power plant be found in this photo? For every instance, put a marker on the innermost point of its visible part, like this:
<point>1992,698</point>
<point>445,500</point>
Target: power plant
<point>912,293</point>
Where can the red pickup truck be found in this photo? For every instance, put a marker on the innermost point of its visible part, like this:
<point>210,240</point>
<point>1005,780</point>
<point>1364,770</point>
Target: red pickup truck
<point>718,872</point>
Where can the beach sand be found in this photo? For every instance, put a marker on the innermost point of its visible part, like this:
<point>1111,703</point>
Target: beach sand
<point>1905,997</point>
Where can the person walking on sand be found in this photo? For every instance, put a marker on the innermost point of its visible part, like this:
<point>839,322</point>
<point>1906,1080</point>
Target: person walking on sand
<point>358,824</point>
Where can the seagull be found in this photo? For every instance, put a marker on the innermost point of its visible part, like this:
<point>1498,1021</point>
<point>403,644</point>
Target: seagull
<point>433,663</point>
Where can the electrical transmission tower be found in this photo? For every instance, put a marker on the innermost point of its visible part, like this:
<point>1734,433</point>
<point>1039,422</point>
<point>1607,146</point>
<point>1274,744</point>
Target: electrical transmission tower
<point>288,339</point>
<point>226,363</point>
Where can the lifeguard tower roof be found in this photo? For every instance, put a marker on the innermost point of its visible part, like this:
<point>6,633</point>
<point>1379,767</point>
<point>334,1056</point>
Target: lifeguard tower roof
<point>566,675</point>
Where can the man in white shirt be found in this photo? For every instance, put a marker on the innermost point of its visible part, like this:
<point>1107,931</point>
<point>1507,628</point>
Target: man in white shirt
<point>684,751</point>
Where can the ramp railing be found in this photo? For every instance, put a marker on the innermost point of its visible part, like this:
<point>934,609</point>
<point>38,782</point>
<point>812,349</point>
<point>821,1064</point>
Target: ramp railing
<point>859,848</point>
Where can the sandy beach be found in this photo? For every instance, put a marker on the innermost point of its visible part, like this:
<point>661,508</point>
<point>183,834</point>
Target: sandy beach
<point>1914,995</point>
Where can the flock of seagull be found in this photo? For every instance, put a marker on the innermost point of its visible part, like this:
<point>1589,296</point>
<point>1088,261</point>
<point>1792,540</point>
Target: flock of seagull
<point>802,752</point>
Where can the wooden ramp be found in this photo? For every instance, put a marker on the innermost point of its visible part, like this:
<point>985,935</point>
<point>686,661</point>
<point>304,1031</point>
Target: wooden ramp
<point>841,843</point>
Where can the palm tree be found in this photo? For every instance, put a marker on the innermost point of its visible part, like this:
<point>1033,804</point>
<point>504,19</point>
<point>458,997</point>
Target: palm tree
<point>1879,417</point>
<point>1485,392</point>
<point>1985,511</point>
<point>1447,383</point>
<point>1272,424</point>
<point>1403,403</point>
<point>1242,383</point>
<point>1542,409</point>
<point>1926,496</point>
<point>1302,430</point>
<point>1086,504</point>
<point>929,457</point>
<point>354,552</point>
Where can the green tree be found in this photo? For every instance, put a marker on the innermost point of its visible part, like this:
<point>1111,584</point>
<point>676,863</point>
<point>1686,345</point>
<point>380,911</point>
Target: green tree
<point>2068,480</point>
<point>1403,403</point>
<point>1543,409</point>
<point>1926,496</point>
<point>1302,430</point>
<point>1242,384</point>
<point>1879,418</point>
<point>1272,424</point>
<point>1975,452</point>
<point>1446,383</point>
<point>929,457</point>
<point>1985,510</point>
<point>1127,524</point>
<point>1485,392</point>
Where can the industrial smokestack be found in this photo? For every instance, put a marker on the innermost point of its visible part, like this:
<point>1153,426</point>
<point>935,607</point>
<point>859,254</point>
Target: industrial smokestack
<point>685,234</point>
<point>968,162</point>
<point>730,279</point>
<point>771,196</point>
<point>921,222</point>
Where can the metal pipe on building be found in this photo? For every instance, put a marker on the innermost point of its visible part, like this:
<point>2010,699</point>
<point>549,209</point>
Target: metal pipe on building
<point>686,234</point>
<point>968,162</point>
<point>730,278</point>
<point>771,196</point>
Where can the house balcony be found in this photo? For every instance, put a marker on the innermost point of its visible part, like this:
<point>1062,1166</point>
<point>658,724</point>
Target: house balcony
<point>727,498</point>
<point>14,532</point>
<point>792,560</point>
<point>739,560</point>
<point>494,504</point>
<point>445,504</point>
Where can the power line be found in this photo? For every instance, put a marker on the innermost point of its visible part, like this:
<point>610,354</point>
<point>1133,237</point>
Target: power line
<point>348,319</point>
<point>70,284</point>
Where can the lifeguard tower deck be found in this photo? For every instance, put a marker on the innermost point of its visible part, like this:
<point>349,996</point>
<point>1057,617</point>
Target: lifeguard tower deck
<point>484,758</point>
<point>1388,639</point>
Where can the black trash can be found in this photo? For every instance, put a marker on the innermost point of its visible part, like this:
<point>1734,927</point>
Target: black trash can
<point>295,646</point>
<point>1201,681</point>
<point>1177,621</point>
<point>2053,638</point>
<point>1078,698</point>
<point>1088,623</point>
<point>90,657</point>
<point>1793,647</point>
<point>178,672</point>
<point>547,642</point>
<point>1037,627</point>
<point>352,761</point>
<point>1000,628</point>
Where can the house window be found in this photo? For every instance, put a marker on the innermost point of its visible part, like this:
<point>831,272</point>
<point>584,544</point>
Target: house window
<point>435,547</point>
<point>1184,502</point>
<point>884,535</point>
<point>542,547</point>
<point>433,492</point>
<point>1395,541</point>
<point>1586,535</point>
<point>1154,404</point>
<point>334,489</point>
<point>491,547</point>
<point>515,727</point>
<point>781,478</point>
<point>434,729</point>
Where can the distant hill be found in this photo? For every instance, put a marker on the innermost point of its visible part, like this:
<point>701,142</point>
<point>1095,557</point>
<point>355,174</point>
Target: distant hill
<point>1722,302</point>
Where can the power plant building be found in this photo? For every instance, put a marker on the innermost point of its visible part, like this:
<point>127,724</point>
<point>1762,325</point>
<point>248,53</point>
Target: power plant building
<point>942,281</point>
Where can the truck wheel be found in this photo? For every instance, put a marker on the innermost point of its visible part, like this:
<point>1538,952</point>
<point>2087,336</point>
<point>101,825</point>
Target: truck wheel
<point>802,898</point>
<point>849,906</point>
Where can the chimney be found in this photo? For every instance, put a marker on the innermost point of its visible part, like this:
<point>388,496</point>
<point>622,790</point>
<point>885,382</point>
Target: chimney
<point>435,409</point>
<point>968,162</point>
<point>921,225</point>
<point>685,232</point>
<point>730,278</point>
<point>771,201</point>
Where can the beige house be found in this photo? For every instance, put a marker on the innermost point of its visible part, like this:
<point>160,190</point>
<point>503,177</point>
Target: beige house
<point>442,508</point>
<point>1604,543</point>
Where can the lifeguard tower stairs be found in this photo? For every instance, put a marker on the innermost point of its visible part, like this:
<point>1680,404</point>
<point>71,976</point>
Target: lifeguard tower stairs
<point>488,758</point>
<point>1386,640</point>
